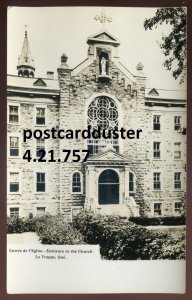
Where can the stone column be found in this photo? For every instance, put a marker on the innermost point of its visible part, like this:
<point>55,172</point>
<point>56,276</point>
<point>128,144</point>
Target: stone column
<point>91,187</point>
<point>64,77</point>
<point>126,183</point>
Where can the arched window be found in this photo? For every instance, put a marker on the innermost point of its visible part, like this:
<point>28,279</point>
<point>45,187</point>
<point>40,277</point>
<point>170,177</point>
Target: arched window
<point>131,183</point>
<point>103,114</point>
<point>31,74</point>
<point>108,187</point>
<point>76,182</point>
<point>20,73</point>
<point>26,73</point>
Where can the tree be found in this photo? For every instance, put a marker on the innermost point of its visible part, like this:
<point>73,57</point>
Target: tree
<point>173,45</point>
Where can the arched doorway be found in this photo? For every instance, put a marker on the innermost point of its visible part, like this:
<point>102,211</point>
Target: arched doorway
<point>108,185</point>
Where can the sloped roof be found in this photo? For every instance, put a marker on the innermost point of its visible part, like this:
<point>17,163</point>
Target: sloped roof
<point>19,82</point>
<point>152,93</point>
<point>83,65</point>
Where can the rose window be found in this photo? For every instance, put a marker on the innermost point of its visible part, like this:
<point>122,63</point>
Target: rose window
<point>103,113</point>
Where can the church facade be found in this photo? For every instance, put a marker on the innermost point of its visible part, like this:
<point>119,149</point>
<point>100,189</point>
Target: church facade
<point>141,175</point>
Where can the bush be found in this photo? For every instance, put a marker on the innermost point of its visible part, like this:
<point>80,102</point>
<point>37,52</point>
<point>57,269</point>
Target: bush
<point>15,225</point>
<point>50,229</point>
<point>171,248</point>
<point>53,230</point>
<point>180,220</point>
<point>144,221</point>
<point>120,239</point>
<point>152,221</point>
<point>31,224</point>
<point>20,225</point>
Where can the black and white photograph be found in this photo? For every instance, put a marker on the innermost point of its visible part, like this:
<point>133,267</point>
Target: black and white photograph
<point>96,139</point>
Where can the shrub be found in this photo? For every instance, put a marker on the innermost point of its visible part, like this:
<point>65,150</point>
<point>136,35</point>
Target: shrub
<point>20,225</point>
<point>15,225</point>
<point>120,239</point>
<point>153,221</point>
<point>171,248</point>
<point>53,230</point>
<point>180,220</point>
<point>31,224</point>
<point>144,221</point>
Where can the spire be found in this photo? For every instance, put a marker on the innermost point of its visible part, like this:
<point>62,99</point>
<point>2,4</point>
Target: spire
<point>25,64</point>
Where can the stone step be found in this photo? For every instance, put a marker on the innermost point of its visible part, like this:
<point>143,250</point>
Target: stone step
<point>116,209</point>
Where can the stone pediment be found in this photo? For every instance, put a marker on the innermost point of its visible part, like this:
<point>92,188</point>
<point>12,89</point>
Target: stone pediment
<point>104,37</point>
<point>109,155</point>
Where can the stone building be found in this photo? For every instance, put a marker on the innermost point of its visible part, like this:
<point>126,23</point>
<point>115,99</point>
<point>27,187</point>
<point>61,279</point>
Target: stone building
<point>144,174</point>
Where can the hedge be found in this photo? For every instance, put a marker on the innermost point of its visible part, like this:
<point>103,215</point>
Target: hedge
<point>118,237</point>
<point>153,221</point>
<point>20,225</point>
<point>121,239</point>
<point>50,229</point>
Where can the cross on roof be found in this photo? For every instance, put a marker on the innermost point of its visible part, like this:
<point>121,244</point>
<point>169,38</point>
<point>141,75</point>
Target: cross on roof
<point>103,17</point>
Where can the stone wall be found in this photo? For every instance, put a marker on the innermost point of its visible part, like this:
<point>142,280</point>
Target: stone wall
<point>75,94</point>
<point>166,165</point>
<point>27,198</point>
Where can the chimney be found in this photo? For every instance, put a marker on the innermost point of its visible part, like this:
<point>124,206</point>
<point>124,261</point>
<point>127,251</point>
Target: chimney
<point>50,75</point>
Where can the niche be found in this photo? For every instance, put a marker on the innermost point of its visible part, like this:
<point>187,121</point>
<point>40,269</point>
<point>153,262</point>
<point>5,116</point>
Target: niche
<point>103,64</point>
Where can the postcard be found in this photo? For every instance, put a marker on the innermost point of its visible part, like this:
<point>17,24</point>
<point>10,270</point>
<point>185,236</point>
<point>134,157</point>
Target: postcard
<point>96,150</point>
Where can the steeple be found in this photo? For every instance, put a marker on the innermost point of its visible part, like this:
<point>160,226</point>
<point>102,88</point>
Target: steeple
<point>25,64</point>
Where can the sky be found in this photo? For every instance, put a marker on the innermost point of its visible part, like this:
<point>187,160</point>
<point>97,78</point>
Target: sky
<point>53,31</point>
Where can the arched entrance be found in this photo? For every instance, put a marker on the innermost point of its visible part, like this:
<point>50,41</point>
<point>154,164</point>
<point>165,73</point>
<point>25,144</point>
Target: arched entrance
<point>108,185</point>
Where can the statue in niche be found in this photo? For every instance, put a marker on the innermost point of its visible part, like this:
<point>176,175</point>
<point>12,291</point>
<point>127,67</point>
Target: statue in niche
<point>103,66</point>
